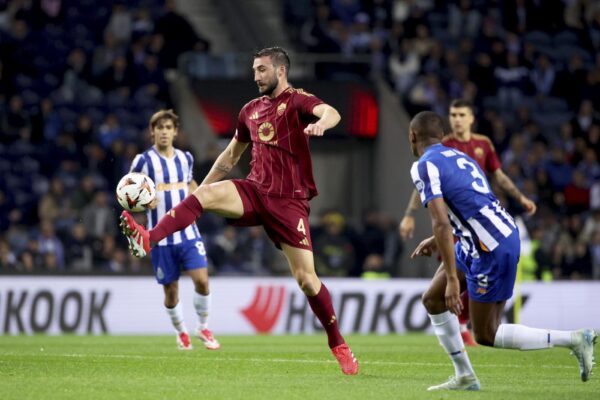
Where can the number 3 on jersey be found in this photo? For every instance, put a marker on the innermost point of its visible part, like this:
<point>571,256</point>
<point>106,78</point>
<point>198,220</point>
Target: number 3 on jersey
<point>480,184</point>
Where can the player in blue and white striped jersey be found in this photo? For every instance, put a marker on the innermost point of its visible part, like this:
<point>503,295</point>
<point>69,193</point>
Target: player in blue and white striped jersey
<point>171,171</point>
<point>458,196</point>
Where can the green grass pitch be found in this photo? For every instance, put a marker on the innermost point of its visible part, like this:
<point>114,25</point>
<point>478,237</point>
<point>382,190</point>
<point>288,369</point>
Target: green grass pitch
<point>272,367</point>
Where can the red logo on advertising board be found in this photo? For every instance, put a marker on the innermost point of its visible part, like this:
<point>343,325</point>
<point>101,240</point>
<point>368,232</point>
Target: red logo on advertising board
<point>265,308</point>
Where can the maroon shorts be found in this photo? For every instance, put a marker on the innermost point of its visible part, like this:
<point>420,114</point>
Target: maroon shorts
<point>285,220</point>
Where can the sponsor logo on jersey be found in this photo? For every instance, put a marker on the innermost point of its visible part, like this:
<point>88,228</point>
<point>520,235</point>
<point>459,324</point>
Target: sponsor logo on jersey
<point>266,131</point>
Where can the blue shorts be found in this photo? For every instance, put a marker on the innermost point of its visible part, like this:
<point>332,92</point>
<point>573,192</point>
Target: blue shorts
<point>491,277</point>
<point>168,261</point>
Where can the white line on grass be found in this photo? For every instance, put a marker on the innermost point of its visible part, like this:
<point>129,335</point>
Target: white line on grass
<point>285,360</point>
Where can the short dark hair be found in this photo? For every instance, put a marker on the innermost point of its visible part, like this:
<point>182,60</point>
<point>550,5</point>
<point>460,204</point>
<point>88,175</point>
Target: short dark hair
<point>164,114</point>
<point>427,124</point>
<point>278,56</point>
<point>462,103</point>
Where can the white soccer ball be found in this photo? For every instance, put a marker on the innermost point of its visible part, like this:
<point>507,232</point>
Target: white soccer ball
<point>135,191</point>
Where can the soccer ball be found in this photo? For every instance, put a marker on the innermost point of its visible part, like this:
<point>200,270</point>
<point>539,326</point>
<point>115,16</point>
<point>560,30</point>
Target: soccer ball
<point>135,191</point>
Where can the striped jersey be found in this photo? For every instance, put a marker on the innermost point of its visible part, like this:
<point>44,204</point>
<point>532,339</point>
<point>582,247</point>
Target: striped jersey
<point>172,177</point>
<point>477,217</point>
<point>281,163</point>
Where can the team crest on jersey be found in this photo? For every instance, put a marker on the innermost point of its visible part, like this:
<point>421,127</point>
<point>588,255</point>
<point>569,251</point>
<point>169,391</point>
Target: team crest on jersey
<point>254,116</point>
<point>266,131</point>
<point>478,152</point>
<point>281,109</point>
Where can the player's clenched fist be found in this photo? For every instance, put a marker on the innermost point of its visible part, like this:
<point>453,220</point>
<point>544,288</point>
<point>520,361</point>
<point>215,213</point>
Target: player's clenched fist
<point>314,130</point>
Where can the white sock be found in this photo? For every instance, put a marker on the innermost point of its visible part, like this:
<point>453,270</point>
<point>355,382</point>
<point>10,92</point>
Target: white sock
<point>176,314</point>
<point>445,326</point>
<point>202,306</point>
<point>513,336</point>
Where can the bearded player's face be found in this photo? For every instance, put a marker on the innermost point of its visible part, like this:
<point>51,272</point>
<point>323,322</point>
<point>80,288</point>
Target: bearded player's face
<point>265,75</point>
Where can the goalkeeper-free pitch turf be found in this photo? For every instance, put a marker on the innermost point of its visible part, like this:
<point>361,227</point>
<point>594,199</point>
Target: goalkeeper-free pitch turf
<point>272,367</point>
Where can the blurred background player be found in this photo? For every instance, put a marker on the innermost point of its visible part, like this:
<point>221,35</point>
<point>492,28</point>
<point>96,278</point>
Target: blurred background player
<point>171,171</point>
<point>276,192</point>
<point>481,149</point>
<point>459,199</point>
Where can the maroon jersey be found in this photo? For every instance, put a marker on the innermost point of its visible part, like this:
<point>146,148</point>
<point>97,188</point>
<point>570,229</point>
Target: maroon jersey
<point>281,163</point>
<point>479,148</point>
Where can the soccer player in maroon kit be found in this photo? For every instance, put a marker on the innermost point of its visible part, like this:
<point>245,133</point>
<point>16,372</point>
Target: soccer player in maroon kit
<point>481,149</point>
<point>276,192</point>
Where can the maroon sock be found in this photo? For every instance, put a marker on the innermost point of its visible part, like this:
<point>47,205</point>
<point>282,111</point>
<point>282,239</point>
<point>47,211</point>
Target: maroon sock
<point>178,217</point>
<point>323,309</point>
<point>464,316</point>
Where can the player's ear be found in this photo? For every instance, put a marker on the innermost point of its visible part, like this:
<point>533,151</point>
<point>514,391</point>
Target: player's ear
<point>412,136</point>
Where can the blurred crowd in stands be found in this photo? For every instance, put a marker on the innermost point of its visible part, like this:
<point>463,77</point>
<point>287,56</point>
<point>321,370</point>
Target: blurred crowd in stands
<point>80,78</point>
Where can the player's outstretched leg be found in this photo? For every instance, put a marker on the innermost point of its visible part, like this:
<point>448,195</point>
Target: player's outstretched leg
<point>136,234</point>
<point>521,337</point>
<point>583,349</point>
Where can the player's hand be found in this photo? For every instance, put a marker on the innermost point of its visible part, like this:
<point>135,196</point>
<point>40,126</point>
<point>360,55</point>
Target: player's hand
<point>152,205</point>
<point>426,248</point>
<point>314,130</point>
<point>528,205</point>
<point>452,295</point>
<point>407,227</point>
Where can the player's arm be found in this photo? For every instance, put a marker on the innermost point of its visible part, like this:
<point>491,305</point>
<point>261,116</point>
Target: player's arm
<point>328,118</point>
<point>192,186</point>
<point>226,161</point>
<point>407,225</point>
<point>511,189</point>
<point>444,240</point>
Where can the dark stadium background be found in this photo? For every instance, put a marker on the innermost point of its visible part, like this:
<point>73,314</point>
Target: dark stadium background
<point>79,80</point>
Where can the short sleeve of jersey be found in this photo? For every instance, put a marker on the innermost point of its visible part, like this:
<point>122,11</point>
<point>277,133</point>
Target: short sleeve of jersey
<point>492,163</point>
<point>190,160</point>
<point>426,177</point>
<point>306,102</point>
<point>242,133</point>
<point>139,164</point>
